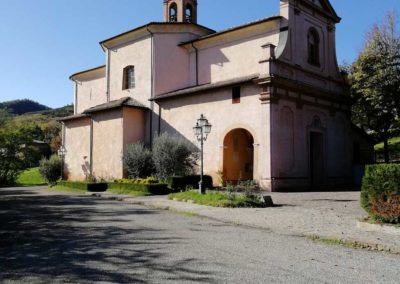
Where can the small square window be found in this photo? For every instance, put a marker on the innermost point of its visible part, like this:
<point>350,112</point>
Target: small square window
<point>236,95</point>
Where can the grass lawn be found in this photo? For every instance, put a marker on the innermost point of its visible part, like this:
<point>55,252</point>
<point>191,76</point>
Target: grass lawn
<point>218,199</point>
<point>30,177</point>
<point>394,145</point>
<point>127,192</point>
<point>67,189</point>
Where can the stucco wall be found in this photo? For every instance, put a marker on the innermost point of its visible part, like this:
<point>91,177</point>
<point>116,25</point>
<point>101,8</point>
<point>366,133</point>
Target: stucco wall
<point>107,144</point>
<point>171,62</point>
<point>77,145</point>
<point>233,57</point>
<point>138,54</point>
<point>291,144</point>
<point>90,92</point>
<point>180,115</point>
<point>134,122</point>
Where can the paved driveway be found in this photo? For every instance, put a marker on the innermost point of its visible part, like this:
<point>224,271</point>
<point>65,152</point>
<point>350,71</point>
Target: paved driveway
<point>46,237</point>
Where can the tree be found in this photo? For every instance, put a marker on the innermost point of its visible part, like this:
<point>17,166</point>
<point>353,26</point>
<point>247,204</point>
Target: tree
<point>173,156</point>
<point>5,116</point>
<point>15,150</point>
<point>138,161</point>
<point>375,83</point>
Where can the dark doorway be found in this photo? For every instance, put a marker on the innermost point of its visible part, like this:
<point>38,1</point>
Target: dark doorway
<point>317,165</point>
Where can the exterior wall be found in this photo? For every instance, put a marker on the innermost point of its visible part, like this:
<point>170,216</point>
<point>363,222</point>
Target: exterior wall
<point>77,145</point>
<point>179,116</point>
<point>90,92</point>
<point>237,56</point>
<point>134,122</point>
<point>171,62</point>
<point>291,145</point>
<point>107,144</point>
<point>292,50</point>
<point>138,54</point>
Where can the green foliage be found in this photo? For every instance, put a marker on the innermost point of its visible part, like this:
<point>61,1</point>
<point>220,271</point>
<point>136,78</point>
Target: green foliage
<point>182,183</point>
<point>380,192</point>
<point>5,117</point>
<point>394,149</point>
<point>219,199</point>
<point>30,177</point>
<point>173,156</point>
<point>138,161</point>
<point>19,107</point>
<point>50,169</point>
<point>148,189</point>
<point>149,180</point>
<point>375,83</point>
<point>15,151</point>
<point>83,186</point>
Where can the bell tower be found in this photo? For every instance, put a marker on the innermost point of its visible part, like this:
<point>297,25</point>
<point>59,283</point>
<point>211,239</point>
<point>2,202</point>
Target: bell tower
<point>180,11</point>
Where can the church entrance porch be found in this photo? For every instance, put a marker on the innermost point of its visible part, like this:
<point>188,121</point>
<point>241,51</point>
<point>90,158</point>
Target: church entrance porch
<point>238,156</point>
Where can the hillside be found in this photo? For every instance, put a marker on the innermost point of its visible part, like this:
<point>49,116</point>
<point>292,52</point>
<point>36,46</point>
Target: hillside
<point>18,107</point>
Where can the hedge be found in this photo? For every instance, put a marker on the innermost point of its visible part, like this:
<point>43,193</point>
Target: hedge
<point>91,187</point>
<point>156,189</point>
<point>181,183</point>
<point>380,192</point>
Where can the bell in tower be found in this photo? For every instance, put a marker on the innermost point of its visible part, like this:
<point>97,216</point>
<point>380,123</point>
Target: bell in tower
<point>182,11</point>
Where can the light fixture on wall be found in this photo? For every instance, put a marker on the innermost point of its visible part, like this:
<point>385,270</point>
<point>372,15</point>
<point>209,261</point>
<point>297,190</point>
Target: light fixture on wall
<point>201,131</point>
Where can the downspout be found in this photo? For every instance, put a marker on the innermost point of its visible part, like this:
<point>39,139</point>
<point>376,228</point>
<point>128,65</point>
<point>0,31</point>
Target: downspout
<point>197,63</point>
<point>152,84</point>
<point>76,98</point>
<point>91,148</point>
<point>108,73</point>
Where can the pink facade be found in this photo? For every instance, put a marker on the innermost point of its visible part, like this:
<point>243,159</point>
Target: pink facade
<point>272,90</point>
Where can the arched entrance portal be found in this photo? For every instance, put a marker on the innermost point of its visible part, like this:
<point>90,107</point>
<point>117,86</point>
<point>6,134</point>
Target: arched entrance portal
<point>238,156</point>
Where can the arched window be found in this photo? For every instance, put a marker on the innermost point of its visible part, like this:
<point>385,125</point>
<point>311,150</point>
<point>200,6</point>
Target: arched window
<point>173,13</point>
<point>189,13</point>
<point>128,81</point>
<point>313,47</point>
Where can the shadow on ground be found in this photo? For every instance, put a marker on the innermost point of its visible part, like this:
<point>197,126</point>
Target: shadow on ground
<point>73,239</point>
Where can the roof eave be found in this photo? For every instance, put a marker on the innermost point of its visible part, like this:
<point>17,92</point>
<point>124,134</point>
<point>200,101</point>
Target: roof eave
<point>273,18</point>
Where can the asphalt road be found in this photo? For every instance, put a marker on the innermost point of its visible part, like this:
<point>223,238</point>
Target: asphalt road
<point>53,238</point>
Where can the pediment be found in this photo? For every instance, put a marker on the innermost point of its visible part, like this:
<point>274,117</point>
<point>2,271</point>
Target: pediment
<point>325,6</point>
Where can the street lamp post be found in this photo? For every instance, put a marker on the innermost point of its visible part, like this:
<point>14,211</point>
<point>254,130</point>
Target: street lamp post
<point>61,154</point>
<point>201,131</point>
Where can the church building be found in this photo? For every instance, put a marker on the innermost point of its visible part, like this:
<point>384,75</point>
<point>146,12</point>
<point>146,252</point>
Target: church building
<point>272,90</point>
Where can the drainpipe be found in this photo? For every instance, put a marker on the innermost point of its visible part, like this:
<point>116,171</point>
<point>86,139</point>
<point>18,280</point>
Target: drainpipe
<point>197,63</point>
<point>108,53</point>
<point>91,148</point>
<point>76,98</point>
<point>152,84</point>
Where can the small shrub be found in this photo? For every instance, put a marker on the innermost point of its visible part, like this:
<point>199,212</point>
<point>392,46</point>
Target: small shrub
<point>173,156</point>
<point>138,161</point>
<point>156,189</point>
<point>181,183</point>
<point>50,169</point>
<point>85,186</point>
<point>380,192</point>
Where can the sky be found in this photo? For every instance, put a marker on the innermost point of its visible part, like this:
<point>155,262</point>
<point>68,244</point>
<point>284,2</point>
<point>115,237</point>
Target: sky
<point>43,42</point>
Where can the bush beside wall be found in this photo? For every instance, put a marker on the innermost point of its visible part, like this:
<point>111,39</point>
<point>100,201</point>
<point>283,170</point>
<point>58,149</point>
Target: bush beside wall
<point>86,186</point>
<point>380,192</point>
<point>156,189</point>
<point>181,183</point>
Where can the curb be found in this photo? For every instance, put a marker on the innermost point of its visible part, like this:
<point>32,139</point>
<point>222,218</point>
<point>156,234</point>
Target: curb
<point>387,229</point>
